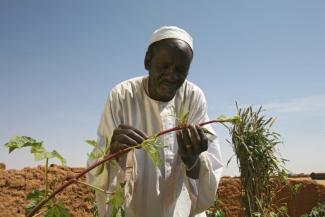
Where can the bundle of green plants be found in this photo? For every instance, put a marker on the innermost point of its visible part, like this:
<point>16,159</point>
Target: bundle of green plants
<point>260,166</point>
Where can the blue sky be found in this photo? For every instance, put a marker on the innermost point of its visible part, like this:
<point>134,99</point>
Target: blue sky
<point>59,59</point>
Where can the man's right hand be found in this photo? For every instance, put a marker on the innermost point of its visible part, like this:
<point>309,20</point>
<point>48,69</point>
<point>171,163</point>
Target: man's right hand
<point>126,136</point>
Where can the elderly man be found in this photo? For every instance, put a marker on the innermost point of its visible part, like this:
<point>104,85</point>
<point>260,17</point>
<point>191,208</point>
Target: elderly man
<point>186,182</point>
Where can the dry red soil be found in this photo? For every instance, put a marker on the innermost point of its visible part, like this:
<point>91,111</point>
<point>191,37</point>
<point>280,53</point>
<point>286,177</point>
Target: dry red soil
<point>15,184</point>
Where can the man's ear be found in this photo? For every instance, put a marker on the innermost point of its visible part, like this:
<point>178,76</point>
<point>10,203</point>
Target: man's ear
<point>147,60</point>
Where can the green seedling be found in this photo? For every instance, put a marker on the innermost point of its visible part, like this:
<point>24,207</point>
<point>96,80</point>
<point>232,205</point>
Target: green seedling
<point>53,208</point>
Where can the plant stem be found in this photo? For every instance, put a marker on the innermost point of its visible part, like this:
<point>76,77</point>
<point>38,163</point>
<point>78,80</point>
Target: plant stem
<point>109,157</point>
<point>187,125</point>
<point>46,177</point>
<point>94,187</point>
<point>38,214</point>
<point>75,178</point>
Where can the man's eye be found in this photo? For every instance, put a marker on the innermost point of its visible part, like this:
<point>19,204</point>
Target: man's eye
<point>162,66</point>
<point>182,71</point>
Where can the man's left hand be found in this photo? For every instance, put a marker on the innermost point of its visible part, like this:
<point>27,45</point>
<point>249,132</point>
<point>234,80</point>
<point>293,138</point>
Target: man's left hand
<point>192,142</point>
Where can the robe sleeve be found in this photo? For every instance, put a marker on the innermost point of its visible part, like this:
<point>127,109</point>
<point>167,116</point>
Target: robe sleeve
<point>112,174</point>
<point>203,190</point>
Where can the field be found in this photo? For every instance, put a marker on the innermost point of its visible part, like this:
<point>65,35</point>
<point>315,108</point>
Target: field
<point>14,184</point>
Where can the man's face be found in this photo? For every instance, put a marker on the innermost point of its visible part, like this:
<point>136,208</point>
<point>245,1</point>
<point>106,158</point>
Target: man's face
<point>168,68</point>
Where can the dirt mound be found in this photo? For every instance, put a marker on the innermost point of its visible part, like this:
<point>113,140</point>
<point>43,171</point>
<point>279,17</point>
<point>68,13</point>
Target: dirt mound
<point>309,195</point>
<point>15,184</point>
<point>2,166</point>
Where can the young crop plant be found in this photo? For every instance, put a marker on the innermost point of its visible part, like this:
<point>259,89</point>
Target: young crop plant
<point>53,207</point>
<point>260,167</point>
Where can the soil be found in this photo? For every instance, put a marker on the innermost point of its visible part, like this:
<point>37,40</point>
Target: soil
<point>310,194</point>
<point>15,184</point>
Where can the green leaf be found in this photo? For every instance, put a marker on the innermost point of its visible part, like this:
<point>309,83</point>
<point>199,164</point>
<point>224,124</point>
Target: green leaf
<point>35,194</point>
<point>35,197</point>
<point>98,152</point>
<point>39,152</point>
<point>107,145</point>
<point>206,131</point>
<point>121,213</point>
<point>18,142</point>
<point>228,162</point>
<point>219,213</point>
<point>117,200</point>
<point>98,155</point>
<point>181,116</point>
<point>93,143</point>
<point>56,155</point>
<point>151,147</point>
<point>222,117</point>
<point>236,119</point>
<point>100,169</point>
<point>37,149</point>
<point>58,210</point>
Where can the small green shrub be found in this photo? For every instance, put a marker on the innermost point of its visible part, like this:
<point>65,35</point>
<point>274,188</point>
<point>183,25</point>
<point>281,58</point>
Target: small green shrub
<point>317,211</point>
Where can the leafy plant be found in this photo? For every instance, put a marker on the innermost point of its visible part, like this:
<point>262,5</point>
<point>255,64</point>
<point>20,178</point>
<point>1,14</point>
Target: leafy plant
<point>215,211</point>
<point>254,145</point>
<point>54,209</point>
<point>181,116</point>
<point>116,201</point>
<point>295,189</point>
<point>34,197</point>
<point>98,153</point>
<point>151,146</point>
<point>57,210</point>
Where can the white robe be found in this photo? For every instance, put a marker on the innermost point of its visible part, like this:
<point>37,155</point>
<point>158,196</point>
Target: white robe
<point>163,191</point>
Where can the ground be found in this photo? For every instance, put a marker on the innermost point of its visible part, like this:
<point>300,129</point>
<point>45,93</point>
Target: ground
<point>15,184</point>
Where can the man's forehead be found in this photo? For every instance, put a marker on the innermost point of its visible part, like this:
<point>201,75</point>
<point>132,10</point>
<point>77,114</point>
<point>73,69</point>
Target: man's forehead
<point>171,45</point>
<point>173,50</point>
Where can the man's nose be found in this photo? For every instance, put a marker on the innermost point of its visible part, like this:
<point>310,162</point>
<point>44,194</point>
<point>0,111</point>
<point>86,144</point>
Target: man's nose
<point>170,73</point>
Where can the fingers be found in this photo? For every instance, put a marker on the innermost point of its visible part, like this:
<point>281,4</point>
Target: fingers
<point>187,141</point>
<point>204,139</point>
<point>125,139</point>
<point>126,135</point>
<point>181,146</point>
<point>143,135</point>
<point>195,139</point>
<point>192,141</point>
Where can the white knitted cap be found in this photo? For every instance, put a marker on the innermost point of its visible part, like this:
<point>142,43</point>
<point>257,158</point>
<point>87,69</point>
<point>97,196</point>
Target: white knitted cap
<point>171,32</point>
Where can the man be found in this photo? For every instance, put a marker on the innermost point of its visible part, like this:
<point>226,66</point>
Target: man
<point>185,183</point>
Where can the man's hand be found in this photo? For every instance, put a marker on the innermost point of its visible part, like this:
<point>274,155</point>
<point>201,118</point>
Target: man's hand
<point>126,136</point>
<point>192,142</point>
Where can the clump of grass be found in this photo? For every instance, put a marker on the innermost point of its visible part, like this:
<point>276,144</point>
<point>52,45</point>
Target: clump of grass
<point>255,145</point>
